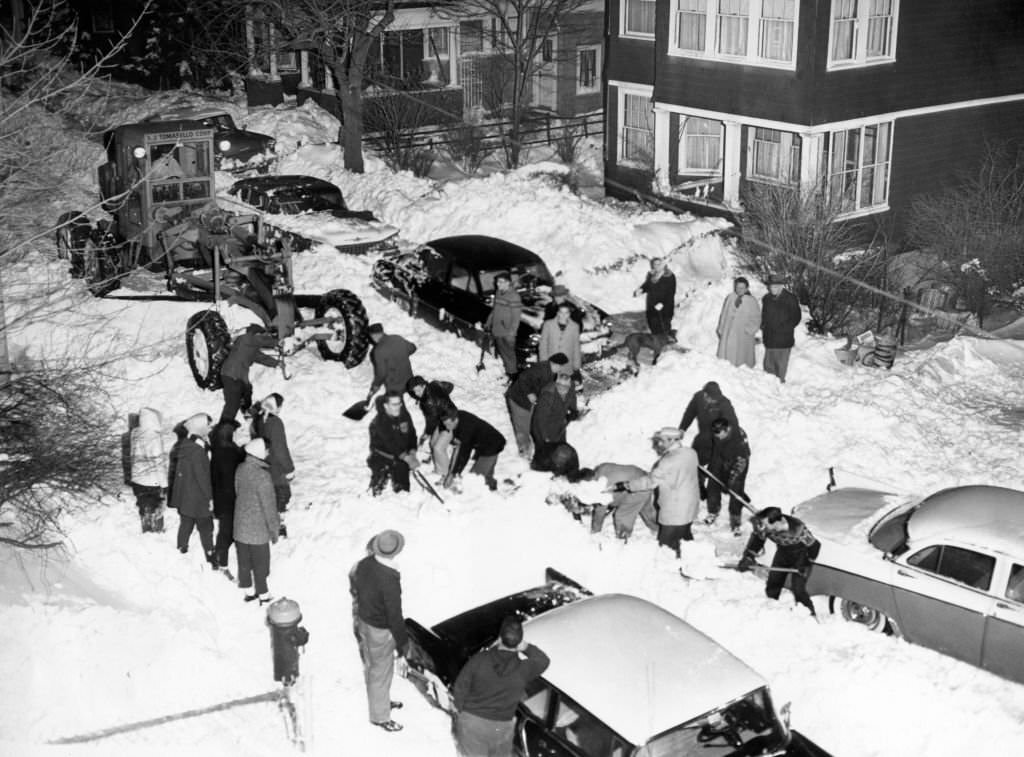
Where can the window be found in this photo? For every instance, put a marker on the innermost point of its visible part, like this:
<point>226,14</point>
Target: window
<point>858,166</point>
<point>758,32</point>
<point>437,41</point>
<point>862,32</point>
<point>103,16</point>
<point>537,692</point>
<point>590,736</point>
<point>774,156</point>
<point>588,69</point>
<point>636,137</point>
<point>638,17</point>
<point>961,565</point>
<point>471,36</point>
<point>287,61</point>
<point>1015,586</point>
<point>701,148</point>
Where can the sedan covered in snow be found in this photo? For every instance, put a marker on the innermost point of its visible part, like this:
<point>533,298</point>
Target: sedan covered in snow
<point>449,282</point>
<point>675,692</point>
<point>235,149</point>
<point>945,571</point>
<point>310,211</point>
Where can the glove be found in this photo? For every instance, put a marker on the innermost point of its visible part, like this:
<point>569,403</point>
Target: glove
<point>621,486</point>
<point>746,563</point>
<point>411,460</point>
<point>401,666</point>
<point>659,306</point>
<point>289,477</point>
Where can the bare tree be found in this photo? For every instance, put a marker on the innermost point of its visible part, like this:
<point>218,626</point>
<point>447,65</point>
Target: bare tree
<point>800,235</point>
<point>977,228</point>
<point>525,31</point>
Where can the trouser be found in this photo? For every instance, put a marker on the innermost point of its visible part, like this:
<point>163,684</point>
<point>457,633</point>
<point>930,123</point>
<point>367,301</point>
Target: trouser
<point>659,321</point>
<point>484,466</point>
<point>505,346</point>
<point>225,538</point>
<point>151,511</point>
<point>735,502</point>
<point>440,441</point>
<point>670,536</point>
<point>542,454</point>
<point>205,528</point>
<point>521,418</point>
<point>798,557</point>
<point>253,566</point>
<point>702,445</point>
<point>382,469</point>
<point>377,650</point>
<point>237,396</point>
<point>479,737</point>
<point>283,494</point>
<point>776,362</point>
<point>624,514</point>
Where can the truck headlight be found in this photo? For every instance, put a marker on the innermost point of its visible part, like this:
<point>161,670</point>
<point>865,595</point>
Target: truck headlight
<point>138,152</point>
<point>224,145</point>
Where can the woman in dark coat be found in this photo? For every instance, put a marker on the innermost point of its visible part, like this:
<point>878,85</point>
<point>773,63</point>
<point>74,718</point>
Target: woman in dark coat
<point>660,288</point>
<point>225,456</point>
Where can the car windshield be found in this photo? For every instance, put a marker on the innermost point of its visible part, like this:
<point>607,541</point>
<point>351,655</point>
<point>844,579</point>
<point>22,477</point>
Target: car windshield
<point>747,726</point>
<point>307,200</point>
<point>525,276</point>
<point>889,534</point>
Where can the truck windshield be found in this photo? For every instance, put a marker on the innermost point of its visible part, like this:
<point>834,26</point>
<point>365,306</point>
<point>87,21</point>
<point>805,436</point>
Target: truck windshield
<point>747,726</point>
<point>179,171</point>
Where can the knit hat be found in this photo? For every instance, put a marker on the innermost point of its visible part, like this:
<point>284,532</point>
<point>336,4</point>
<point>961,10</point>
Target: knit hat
<point>387,543</point>
<point>713,390</point>
<point>257,448</point>
<point>669,434</point>
<point>198,424</point>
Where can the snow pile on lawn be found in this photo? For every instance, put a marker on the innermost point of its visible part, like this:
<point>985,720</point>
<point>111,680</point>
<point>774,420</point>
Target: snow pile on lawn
<point>128,629</point>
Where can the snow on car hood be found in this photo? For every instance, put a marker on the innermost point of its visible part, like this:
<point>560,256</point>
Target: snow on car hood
<point>845,516</point>
<point>327,228</point>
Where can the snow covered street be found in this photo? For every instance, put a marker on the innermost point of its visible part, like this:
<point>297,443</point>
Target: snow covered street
<point>125,629</point>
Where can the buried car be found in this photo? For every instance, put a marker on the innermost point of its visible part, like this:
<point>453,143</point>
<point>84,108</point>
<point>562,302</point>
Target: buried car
<point>675,693</point>
<point>235,149</point>
<point>944,571</point>
<point>310,211</point>
<point>449,282</point>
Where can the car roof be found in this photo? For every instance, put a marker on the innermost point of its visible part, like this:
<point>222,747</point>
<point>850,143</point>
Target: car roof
<point>484,253</point>
<point>991,517</point>
<point>637,667</point>
<point>271,182</point>
<point>192,113</point>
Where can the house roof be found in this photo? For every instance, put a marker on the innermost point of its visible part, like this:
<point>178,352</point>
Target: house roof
<point>637,667</point>
<point>991,517</point>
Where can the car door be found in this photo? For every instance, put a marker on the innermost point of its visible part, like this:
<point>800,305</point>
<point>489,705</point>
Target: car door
<point>942,600</point>
<point>466,305</point>
<point>1003,652</point>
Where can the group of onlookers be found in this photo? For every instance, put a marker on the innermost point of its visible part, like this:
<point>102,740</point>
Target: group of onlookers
<point>776,318</point>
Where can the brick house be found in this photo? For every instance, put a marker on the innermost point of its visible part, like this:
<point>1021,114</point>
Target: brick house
<point>877,99</point>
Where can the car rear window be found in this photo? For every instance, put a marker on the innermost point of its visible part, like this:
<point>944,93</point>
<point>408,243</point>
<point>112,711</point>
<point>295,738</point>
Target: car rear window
<point>576,726</point>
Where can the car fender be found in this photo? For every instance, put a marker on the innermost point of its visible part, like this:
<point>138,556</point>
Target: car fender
<point>854,575</point>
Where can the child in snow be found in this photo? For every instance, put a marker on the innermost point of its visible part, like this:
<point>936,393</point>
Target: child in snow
<point>149,469</point>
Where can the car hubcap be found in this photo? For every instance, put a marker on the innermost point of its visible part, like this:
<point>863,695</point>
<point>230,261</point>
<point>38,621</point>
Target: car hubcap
<point>200,353</point>
<point>862,614</point>
<point>337,325</point>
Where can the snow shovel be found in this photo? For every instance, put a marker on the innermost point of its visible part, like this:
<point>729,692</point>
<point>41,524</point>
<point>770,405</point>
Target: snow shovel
<point>762,566</point>
<point>420,479</point>
<point>483,351</point>
<point>742,500</point>
<point>357,410</point>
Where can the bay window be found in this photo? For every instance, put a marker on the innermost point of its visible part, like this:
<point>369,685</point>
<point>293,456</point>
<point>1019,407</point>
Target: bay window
<point>862,32</point>
<point>858,162</point>
<point>755,32</point>
<point>774,156</point>
<point>700,149</point>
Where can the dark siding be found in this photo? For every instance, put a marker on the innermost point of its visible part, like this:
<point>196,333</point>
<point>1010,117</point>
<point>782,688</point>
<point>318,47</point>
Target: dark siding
<point>628,59</point>
<point>580,29</point>
<point>933,152</point>
<point>946,51</point>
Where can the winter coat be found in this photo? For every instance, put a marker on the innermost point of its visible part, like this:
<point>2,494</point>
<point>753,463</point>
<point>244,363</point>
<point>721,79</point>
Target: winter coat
<point>779,317</point>
<point>148,455</point>
<point>660,291</point>
<point>613,473</point>
<point>377,589</point>
<point>675,478</point>
<point>476,437</point>
<point>736,329</point>
<point>576,313</point>
<point>730,457</point>
<point>555,339</point>
<point>256,518</point>
<point>435,402</point>
<point>506,314</point>
<point>705,410</point>
<point>796,536</point>
<point>552,414</point>
<point>531,381</point>
<point>270,428</point>
<point>494,681</point>
<point>225,456</point>
<point>391,367</point>
<point>246,350</point>
<point>191,488</point>
<point>392,437</point>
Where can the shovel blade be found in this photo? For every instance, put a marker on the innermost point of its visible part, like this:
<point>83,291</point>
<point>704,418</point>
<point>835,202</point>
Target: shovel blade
<point>357,411</point>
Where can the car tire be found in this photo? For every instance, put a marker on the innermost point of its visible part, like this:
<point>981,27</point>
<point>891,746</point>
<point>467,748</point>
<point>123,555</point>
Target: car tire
<point>207,343</point>
<point>101,270</point>
<point>864,615</point>
<point>350,323</point>
<point>72,234</point>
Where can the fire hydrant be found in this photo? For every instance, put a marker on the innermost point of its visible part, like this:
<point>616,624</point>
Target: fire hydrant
<point>287,637</point>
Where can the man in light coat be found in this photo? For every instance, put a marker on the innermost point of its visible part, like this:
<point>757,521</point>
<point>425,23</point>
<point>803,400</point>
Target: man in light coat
<point>738,324</point>
<point>561,334</point>
<point>780,315</point>
<point>149,469</point>
<point>675,478</point>
<point>256,521</point>
<point>267,425</point>
<point>191,487</point>
<point>503,322</point>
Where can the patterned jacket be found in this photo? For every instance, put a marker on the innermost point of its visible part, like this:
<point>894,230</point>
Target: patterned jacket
<point>796,536</point>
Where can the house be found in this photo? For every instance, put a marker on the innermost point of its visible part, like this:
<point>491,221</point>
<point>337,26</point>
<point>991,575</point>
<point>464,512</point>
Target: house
<point>444,58</point>
<point>875,100</point>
